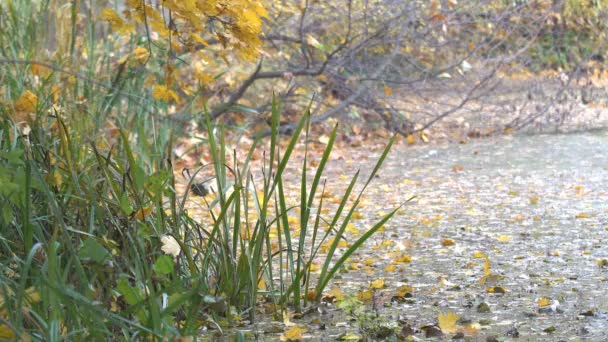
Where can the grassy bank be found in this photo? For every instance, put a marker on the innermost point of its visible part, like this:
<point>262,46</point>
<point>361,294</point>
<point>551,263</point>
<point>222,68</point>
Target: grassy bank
<point>95,241</point>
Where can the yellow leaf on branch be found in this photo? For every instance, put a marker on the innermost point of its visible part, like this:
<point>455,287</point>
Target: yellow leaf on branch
<point>118,23</point>
<point>162,93</point>
<point>26,102</point>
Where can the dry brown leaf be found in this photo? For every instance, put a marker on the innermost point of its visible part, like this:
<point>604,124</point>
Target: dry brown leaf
<point>447,242</point>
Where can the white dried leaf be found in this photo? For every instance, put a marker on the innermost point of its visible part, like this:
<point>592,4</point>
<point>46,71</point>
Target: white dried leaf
<point>170,246</point>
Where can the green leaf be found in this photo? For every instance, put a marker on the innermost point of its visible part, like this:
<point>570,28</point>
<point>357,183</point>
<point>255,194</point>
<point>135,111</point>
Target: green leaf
<point>93,250</point>
<point>125,204</point>
<point>139,177</point>
<point>163,265</point>
<point>130,295</point>
<point>14,157</point>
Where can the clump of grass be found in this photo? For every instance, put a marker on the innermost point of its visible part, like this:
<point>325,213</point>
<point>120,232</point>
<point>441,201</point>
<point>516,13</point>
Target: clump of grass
<point>241,253</point>
<point>95,241</point>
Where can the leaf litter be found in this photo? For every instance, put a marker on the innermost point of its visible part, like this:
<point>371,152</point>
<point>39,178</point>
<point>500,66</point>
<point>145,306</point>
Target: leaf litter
<point>511,244</point>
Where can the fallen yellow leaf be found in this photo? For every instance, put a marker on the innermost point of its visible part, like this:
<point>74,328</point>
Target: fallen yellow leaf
<point>405,288</point>
<point>472,328</point>
<point>424,137</point>
<point>447,242</point>
<point>293,334</point>
<point>496,289</point>
<point>543,301</point>
<point>388,91</point>
<point>447,322</point>
<point>365,296</point>
<point>336,293</point>
<point>314,267</point>
<point>479,255</point>
<point>486,266</point>
<point>404,258</point>
<point>377,284</point>
<point>504,238</point>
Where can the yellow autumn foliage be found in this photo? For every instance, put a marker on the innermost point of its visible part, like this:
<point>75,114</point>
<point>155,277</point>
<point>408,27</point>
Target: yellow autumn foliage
<point>293,334</point>
<point>26,102</point>
<point>238,23</point>
<point>162,93</point>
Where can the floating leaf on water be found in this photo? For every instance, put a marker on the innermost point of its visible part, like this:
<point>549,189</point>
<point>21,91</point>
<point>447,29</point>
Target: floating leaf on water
<point>377,284</point>
<point>293,334</point>
<point>404,258</point>
<point>447,322</point>
<point>472,328</point>
<point>390,268</point>
<point>496,289</point>
<point>447,242</point>
<point>483,307</point>
<point>549,329</point>
<point>479,255</point>
<point>543,301</point>
<point>334,294</point>
<point>486,267</point>
<point>349,337</point>
<point>504,238</point>
<point>579,190</point>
